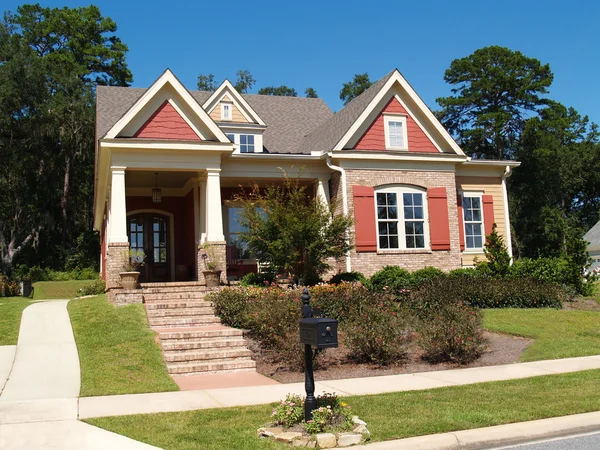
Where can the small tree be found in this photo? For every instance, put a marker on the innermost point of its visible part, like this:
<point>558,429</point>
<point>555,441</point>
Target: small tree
<point>291,231</point>
<point>498,259</point>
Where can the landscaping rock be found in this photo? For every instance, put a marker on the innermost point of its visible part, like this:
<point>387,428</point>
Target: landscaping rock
<point>288,436</point>
<point>326,440</point>
<point>269,431</point>
<point>311,444</point>
<point>357,421</point>
<point>348,439</point>
<point>361,429</point>
<point>302,442</point>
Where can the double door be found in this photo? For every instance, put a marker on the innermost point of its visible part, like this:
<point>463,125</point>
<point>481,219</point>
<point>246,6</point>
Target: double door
<point>149,233</point>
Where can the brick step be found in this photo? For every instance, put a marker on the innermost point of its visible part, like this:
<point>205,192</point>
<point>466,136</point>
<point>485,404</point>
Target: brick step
<point>207,355</point>
<point>177,322</point>
<point>171,284</point>
<point>184,334</point>
<point>176,304</point>
<point>205,343</point>
<point>167,291</point>
<point>216,365</point>
<point>181,312</point>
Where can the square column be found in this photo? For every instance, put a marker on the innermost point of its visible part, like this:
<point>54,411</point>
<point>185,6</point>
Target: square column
<point>213,208</point>
<point>322,193</point>
<point>117,212</point>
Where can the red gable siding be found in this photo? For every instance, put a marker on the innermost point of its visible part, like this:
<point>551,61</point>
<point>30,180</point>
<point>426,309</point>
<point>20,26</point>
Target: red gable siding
<point>166,123</point>
<point>374,137</point>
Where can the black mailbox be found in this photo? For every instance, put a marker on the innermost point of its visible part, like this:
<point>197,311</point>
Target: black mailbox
<point>319,332</point>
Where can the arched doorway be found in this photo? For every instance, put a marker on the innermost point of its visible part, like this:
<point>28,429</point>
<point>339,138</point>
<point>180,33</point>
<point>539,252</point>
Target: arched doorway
<point>150,233</point>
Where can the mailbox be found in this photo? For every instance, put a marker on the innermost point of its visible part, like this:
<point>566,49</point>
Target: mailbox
<point>319,332</point>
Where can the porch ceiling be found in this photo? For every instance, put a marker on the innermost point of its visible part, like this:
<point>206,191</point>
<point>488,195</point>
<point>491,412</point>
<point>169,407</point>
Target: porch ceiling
<point>166,179</point>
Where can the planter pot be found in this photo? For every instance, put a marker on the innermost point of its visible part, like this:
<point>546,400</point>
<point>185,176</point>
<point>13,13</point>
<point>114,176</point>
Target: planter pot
<point>129,280</point>
<point>212,278</point>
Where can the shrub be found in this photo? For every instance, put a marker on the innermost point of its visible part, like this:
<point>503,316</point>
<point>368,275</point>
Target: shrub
<point>231,305</point>
<point>377,334</point>
<point>465,272</point>
<point>451,331</point>
<point>289,412</point>
<point>97,287</point>
<point>37,273</point>
<point>8,288</point>
<point>349,277</point>
<point>257,279</point>
<point>425,275</point>
<point>392,278</point>
<point>498,259</point>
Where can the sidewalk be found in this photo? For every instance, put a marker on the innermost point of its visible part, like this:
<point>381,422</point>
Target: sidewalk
<point>118,405</point>
<point>39,405</point>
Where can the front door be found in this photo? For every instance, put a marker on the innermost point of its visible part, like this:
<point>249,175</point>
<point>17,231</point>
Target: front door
<point>149,232</point>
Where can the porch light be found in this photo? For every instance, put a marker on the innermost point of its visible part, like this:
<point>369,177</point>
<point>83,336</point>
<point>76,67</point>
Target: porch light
<point>156,192</point>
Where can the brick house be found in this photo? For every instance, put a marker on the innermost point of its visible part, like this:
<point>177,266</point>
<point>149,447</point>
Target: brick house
<point>169,162</point>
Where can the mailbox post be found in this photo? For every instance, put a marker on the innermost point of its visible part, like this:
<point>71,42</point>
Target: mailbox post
<point>320,332</point>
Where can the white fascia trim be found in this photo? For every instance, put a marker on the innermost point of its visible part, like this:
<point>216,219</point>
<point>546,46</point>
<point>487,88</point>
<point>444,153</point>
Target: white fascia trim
<point>187,120</point>
<point>245,108</point>
<point>396,77</point>
<point>155,144</point>
<point>418,122</point>
<point>232,126</point>
<point>277,156</point>
<point>166,78</point>
<point>395,156</point>
<point>499,163</point>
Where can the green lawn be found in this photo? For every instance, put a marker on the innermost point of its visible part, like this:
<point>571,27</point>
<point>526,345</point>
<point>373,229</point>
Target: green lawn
<point>117,350</point>
<point>11,309</point>
<point>557,333</point>
<point>389,416</point>
<point>58,289</point>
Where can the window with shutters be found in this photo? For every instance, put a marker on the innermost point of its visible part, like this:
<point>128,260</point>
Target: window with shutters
<point>473,221</point>
<point>401,218</point>
<point>395,133</point>
<point>246,143</point>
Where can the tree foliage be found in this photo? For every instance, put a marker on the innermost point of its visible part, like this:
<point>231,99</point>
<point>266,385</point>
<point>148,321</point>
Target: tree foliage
<point>51,61</point>
<point>310,93</point>
<point>245,81</point>
<point>292,231</point>
<point>281,91</point>
<point>494,90</point>
<point>352,89</point>
<point>207,83</point>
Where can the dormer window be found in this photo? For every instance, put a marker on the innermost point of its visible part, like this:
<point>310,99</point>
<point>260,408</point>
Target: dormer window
<point>395,133</point>
<point>246,143</point>
<point>226,111</point>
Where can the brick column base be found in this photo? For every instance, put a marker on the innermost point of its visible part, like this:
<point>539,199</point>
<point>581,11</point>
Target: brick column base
<point>219,249</point>
<point>117,256</point>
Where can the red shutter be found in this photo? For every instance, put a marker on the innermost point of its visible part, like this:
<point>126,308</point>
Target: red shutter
<point>364,218</point>
<point>488,213</point>
<point>461,221</point>
<point>439,226</point>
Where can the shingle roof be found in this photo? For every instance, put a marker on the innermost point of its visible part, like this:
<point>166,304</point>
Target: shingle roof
<point>328,134</point>
<point>288,119</point>
<point>593,236</point>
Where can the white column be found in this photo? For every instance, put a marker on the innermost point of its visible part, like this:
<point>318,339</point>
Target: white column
<point>323,190</point>
<point>196,226</point>
<point>117,226</point>
<point>214,212</point>
<point>202,208</point>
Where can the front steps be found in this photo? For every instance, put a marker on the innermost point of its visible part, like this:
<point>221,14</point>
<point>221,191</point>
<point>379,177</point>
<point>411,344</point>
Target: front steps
<point>192,338</point>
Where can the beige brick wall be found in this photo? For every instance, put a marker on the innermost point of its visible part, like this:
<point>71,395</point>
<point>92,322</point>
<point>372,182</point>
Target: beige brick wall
<point>220,252</point>
<point>117,256</point>
<point>370,262</point>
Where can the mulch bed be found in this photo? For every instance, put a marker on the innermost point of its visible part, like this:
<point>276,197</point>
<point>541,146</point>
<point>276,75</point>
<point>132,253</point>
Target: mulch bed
<point>334,363</point>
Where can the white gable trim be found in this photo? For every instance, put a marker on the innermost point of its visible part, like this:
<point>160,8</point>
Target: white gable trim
<point>237,99</point>
<point>397,78</point>
<point>167,78</point>
<point>419,124</point>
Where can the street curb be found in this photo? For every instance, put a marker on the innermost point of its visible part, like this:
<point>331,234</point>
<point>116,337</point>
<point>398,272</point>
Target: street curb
<point>496,436</point>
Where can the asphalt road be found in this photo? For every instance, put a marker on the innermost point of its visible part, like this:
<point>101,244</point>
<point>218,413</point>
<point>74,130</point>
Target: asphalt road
<point>581,442</point>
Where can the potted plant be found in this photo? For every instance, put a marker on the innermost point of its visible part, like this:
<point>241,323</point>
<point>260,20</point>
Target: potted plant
<point>131,270</point>
<point>211,272</point>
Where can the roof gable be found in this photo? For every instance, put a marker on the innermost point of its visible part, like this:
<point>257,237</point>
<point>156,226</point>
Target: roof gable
<point>166,123</point>
<point>227,91</point>
<point>167,89</point>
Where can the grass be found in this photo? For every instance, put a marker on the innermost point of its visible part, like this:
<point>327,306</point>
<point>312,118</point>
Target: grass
<point>557,333</point>
<point>117,350</point>
<point>58,289</point>
<point>11,310</point>
<point>389,416</point>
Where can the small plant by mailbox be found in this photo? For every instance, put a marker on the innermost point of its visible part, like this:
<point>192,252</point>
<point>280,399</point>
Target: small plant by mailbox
<point>319,332</point>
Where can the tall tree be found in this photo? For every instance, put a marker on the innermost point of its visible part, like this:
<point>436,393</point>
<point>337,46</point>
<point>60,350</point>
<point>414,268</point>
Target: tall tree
<point>245,81</point>
<point>359,84</point>
<point>310,93</point>
<point>494,90</point>
<point>280,91</point>
<point>207,83</point>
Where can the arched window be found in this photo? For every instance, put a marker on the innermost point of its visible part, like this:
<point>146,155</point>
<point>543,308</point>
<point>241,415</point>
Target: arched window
<point>401,213</point>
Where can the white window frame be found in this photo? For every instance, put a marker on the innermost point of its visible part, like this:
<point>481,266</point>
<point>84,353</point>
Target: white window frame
<point>399,190</point>
<point>395,118</point>
<point>253,143</point>
<point>223,109</point>
<point>478,195</point>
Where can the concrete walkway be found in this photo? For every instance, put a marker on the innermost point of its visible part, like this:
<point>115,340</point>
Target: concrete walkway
<point>38,403</point>
<point>118,405</point>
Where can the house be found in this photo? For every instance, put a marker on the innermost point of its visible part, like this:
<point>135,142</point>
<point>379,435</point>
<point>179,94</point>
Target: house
<point>593,239</point>
<point>169,162</point>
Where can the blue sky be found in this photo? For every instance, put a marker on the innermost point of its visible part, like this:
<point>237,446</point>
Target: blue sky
<point>322,44</point>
